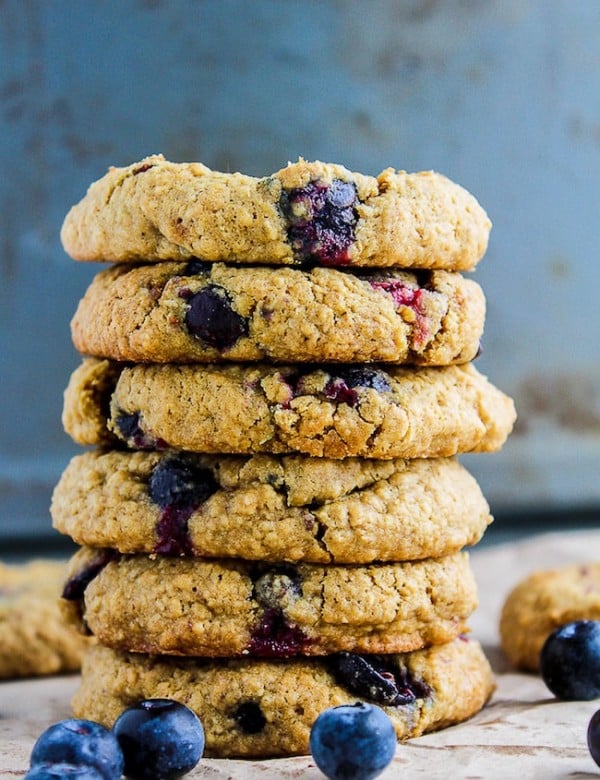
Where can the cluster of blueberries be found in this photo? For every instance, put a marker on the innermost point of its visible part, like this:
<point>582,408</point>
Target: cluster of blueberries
<point>163,739</point>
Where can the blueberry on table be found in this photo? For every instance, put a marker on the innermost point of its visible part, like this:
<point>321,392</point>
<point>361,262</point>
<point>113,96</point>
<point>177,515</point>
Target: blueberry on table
<point>352,741</point>
<point>160,738</point>
<point>593,736</point>
<point>570,661</point>
<point>63,771</point>
<point>79,742</point>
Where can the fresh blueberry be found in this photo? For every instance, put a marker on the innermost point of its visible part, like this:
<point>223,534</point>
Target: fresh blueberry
<point>160,738</point>
<point>210,318</point>
<point>321,221</point>
<point>570,661</point>
<point>80,742</point>
<point>352,741</point>
<point>593,737</point>
<point>58,771</point>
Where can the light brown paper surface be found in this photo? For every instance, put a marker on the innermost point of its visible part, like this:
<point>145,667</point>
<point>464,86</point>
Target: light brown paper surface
<point>523,733</point>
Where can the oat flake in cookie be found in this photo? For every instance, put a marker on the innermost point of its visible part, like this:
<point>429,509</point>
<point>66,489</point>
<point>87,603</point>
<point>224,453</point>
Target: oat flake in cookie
<point>308,213</point>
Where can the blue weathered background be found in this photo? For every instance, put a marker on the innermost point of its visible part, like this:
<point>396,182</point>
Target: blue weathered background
<point>501,95</point>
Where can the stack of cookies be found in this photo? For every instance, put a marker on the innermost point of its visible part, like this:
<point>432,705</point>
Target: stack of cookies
<point>276,379</point>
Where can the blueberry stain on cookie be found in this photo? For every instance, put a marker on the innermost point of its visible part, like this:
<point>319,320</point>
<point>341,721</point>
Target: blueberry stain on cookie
<point>276,637</point>
<point>413,298</point>
<point>375,681</point>
<point>179,486</point>
<point>321,221</point>
<point>211,318</point>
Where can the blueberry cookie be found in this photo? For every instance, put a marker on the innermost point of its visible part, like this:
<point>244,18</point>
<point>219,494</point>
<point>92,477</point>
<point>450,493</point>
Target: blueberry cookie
<point>265,708</point>
<point>286,508</point>
<point>201,312</point>
<point>309,213</point>
<point>334,412</point>
<point>35,639</point>
<point>542,602</point>
<point>189,606</point>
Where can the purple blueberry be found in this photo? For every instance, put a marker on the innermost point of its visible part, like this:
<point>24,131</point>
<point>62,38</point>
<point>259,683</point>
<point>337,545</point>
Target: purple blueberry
<point>593,736</point>
<point>82,743</point>
<point>570,661</point>
<point>179,481</point>
<point>130,428</point>
<point>62,771</point>
<point>372,679</point>
<point>75,586</point>
<point>341,387</point>
<point>321,221</point>
<point>249,717</point>
<point>160,738</point>
<point>275,637</point>
<point>211,318</point>
<point>353,741</point>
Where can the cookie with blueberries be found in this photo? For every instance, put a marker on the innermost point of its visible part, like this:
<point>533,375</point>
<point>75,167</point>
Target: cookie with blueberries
<point>543,602</point>
<point>229,607</point>
<point>265,708</point>
<point>35,639</point>
<point>202,312</point>
<point>308,213</point>
<point>325,411</point>
<point>267,507</point>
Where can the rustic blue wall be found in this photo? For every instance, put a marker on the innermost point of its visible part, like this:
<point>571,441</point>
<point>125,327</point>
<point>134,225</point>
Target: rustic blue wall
<point>503,96</point>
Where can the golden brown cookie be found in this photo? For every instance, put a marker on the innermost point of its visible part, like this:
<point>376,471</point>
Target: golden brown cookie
<point>336,412</point>
<point>201,312</point>
<point>228,608</point>
<point>35,639</point>
<point>286,508</point>
<point>264,708</point>
<point>308,212</point>
<point>543,602</point>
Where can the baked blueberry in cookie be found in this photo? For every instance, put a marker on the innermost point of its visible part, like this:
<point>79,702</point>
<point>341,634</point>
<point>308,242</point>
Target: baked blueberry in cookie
<point>210,317</point>
<point>372,680</point>
<point>249,717</point>
<point>321,221</point>
<point>340,388</point>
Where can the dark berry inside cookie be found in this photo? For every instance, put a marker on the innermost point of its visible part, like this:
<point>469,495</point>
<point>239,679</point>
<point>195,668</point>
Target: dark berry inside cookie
<point>210,318</point>
<point>370,679</point>
<point>180,482</point>
<point>277,586</point>
<point>196,267</point>
<point>178,485</point>
<point>275,637</point>
<point>340,388</point>
<point>249,717</point>
<point>129,425</point>
<point>321,221</point>
<point>75,586</point>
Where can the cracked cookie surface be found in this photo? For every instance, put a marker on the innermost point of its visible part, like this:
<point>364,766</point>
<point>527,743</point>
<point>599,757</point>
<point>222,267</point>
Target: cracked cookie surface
<point>333,412</point>
<point>288,508</point>
<point>266,708</point>
<point>178,312</point>
<point>541,603</point>
<point>186,606</point>
<point>306,213</point>
<point>35,639</point>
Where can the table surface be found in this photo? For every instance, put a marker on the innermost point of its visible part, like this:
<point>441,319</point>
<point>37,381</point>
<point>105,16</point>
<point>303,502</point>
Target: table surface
<point>522,732</point>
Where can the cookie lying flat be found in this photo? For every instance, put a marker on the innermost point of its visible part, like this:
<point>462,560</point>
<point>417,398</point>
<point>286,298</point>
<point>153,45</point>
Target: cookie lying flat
<point>337,412</point>
<point>186,606</point>
<point>286,508</point>
<point>545,601</point>
<point>263,708</point>
<point>315,213</point>
<point>200,312</point>
<point>34,636</point>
